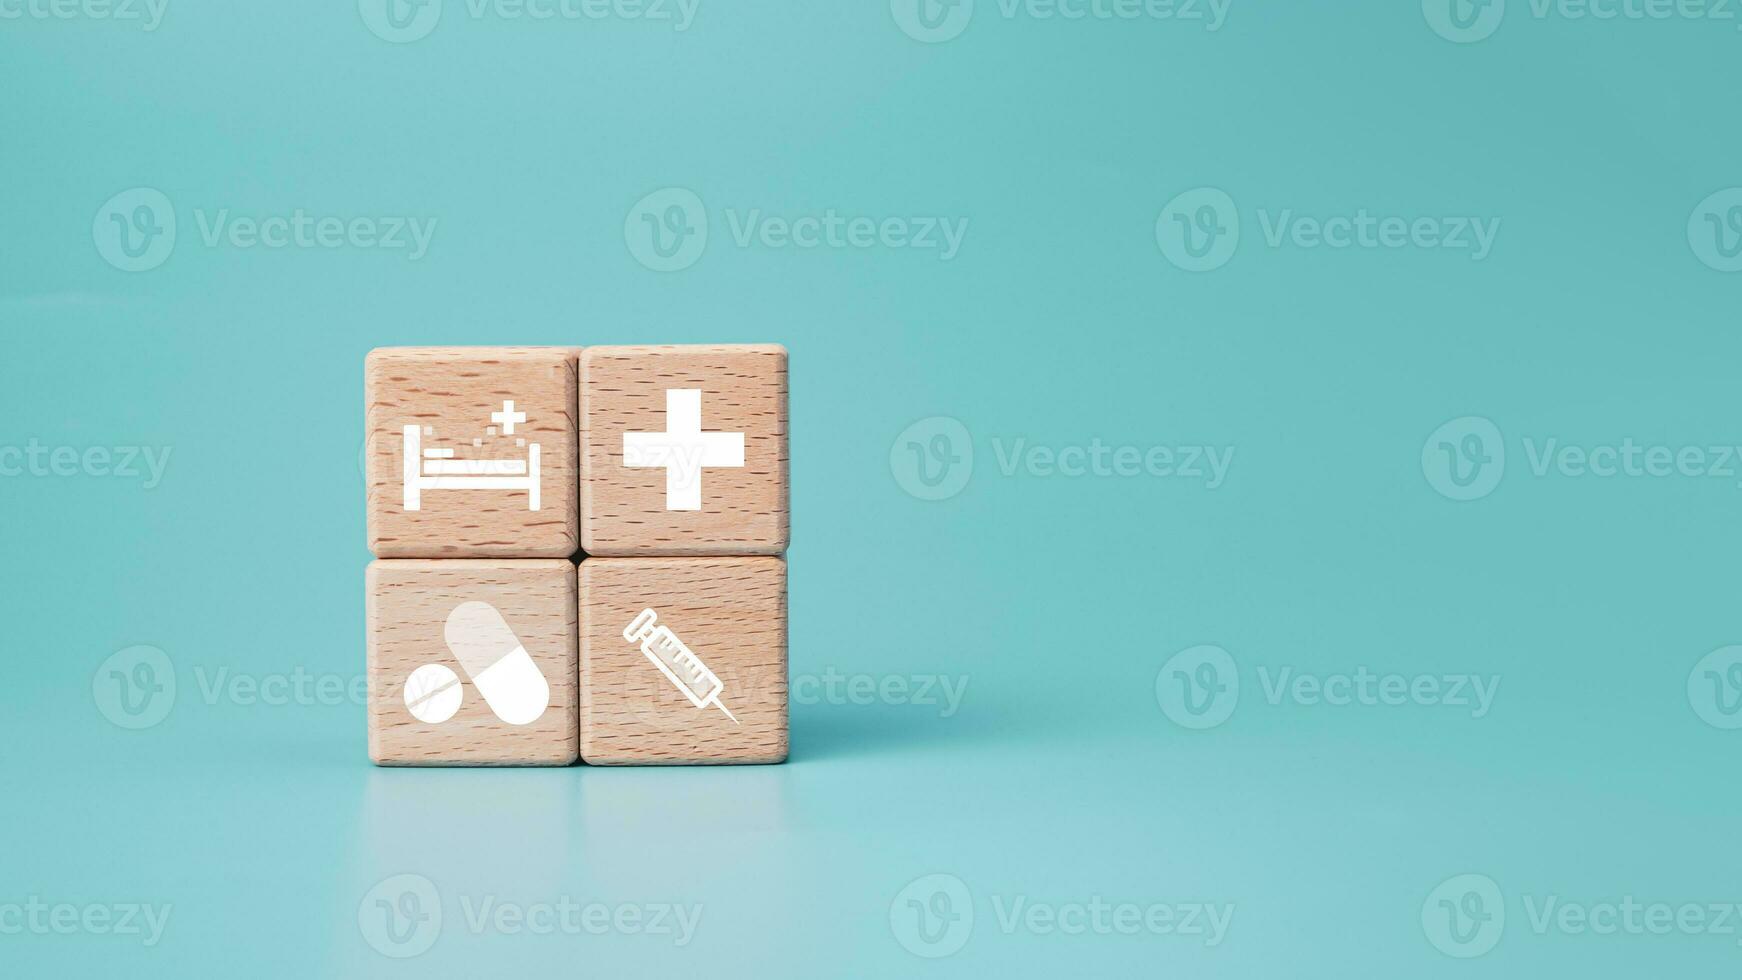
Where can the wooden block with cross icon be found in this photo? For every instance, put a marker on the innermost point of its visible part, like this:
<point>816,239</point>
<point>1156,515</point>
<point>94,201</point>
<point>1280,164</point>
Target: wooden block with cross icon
<point>683,450</point>
<point>472,452</point>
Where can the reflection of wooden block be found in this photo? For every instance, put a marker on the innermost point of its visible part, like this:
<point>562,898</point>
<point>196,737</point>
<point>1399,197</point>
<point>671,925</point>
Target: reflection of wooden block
<point>441,484</point>
<point>410,603</point>
<point>653,481</point>
<point>730,613</point>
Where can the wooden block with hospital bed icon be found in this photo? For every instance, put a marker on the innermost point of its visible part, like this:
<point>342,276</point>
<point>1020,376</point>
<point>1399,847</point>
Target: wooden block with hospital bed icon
<point>472,452</point>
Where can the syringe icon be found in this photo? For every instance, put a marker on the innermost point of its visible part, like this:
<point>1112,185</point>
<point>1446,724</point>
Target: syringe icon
<point>676,661</point>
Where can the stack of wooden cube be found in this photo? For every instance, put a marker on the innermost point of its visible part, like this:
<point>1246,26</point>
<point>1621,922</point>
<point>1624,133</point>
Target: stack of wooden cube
<point>493,471</point>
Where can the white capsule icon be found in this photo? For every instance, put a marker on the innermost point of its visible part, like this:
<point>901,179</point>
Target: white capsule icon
<point>497,662</point>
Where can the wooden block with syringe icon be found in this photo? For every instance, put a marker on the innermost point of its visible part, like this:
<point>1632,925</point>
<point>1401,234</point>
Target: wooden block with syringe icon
<point>672,460</point>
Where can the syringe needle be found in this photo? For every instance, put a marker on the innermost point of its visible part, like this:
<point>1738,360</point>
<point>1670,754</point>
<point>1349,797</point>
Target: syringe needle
<point>716,703</point>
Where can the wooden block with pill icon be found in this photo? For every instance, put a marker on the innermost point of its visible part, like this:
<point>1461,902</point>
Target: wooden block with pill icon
<point>472,661</point>
<point>684,450</point>
<point>683,660</point>
<point>471,452</point>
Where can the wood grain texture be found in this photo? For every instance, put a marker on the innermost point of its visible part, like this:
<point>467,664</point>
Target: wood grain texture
<point>732,613</point>
<point>408,605</point>
<point>454,390</point>
<point>744,509</point>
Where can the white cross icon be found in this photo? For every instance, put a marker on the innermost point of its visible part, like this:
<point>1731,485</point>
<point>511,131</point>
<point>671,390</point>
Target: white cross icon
<point>507,417</point>
<point>683,449</point>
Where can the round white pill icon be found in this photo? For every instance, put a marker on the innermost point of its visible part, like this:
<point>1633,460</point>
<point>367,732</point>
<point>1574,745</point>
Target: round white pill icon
<point>433,694</point>
<point>494,658</point>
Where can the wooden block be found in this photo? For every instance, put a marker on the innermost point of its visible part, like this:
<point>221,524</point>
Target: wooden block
<point>683,450</point>
<point>435,626</point>
<point>730,614</point>
<point>472,452</point>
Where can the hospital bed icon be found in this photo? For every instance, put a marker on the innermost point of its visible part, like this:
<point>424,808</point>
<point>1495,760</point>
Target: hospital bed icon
<point>437,468</point>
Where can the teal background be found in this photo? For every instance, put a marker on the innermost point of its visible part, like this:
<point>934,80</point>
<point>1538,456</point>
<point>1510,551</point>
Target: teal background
<point>1593,777</point>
